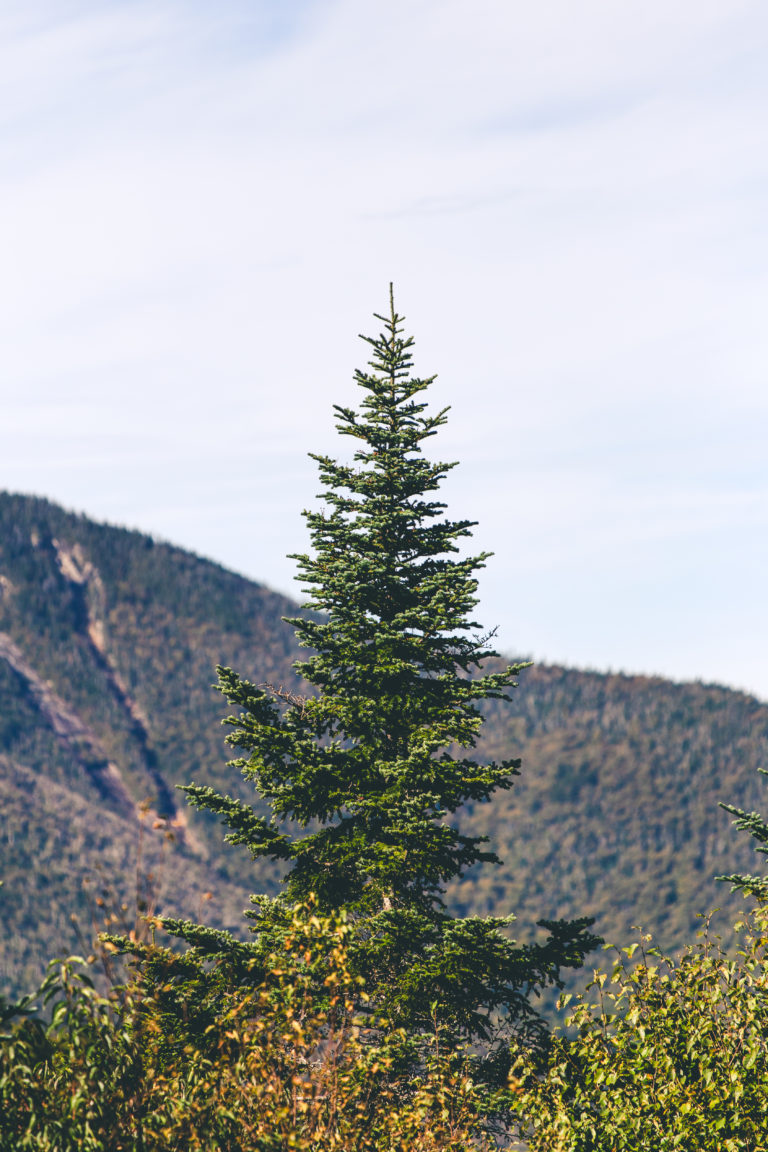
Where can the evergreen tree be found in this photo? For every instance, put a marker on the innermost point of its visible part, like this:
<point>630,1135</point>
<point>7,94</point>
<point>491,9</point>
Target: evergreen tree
<point>757,827</point>
<point>365,774</point>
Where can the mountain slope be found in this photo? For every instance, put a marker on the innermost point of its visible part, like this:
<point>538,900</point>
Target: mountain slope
<point>616,810</point>
<point>108,642</point>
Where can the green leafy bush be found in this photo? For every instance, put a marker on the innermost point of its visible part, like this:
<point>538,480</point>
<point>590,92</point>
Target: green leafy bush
<point>664,1054</point>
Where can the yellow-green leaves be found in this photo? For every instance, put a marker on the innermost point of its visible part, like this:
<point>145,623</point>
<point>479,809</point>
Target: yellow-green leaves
<point>672,1054</point>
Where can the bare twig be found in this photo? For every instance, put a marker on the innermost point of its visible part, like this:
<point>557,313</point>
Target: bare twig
<point>289,697</point>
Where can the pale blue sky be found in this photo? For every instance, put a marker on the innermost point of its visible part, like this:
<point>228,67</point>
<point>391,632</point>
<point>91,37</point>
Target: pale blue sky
<point>201,205</point>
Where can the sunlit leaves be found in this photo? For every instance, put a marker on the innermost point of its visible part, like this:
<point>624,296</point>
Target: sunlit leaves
<point>664,1054</point>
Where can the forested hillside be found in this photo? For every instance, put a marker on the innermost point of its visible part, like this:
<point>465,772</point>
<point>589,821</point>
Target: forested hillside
<point>108,643</point>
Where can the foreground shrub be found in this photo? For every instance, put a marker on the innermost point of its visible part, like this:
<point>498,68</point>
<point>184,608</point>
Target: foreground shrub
<point>286,1065</point>
<point>664,1054</point>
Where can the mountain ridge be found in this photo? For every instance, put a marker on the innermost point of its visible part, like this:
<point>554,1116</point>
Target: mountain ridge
<point>108,643</point>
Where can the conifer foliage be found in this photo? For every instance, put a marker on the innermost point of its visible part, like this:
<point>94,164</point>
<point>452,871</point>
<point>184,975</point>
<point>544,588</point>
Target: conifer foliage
<point>366,772</point>
<point>757,826</point>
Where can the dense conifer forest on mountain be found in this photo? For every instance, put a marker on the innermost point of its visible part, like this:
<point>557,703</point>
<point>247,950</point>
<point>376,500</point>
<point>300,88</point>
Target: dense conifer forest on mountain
<point>430,845</point>
<point>108,645</point>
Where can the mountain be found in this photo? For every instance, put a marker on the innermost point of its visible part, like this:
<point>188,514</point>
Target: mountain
<point>108,644</point>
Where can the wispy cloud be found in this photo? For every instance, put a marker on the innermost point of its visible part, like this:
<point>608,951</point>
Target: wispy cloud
<point>201,205</point>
